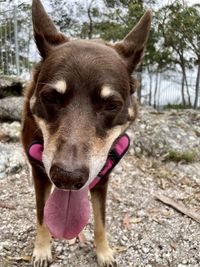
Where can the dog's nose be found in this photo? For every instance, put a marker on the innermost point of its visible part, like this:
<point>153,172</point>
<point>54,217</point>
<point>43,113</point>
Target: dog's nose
<point>69,180</point>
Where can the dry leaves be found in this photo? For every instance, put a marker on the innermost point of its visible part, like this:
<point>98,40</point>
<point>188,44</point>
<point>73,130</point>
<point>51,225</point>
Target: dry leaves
<point>120,249</point>
<point>126,221</point>
<point>7,206</point>
<point>173,245</point>
<point>167,213</point>
<point>22,258</point>
<point>153,211</point>
<point>136,220</point>
<point>72,241</point>
<point>82,239</point>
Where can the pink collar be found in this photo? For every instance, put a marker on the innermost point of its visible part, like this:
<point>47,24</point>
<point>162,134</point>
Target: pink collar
<point>118,150</point>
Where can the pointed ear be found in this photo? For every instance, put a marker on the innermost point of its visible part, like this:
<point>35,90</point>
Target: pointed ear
<point>131,48</point>
<point>45,33</point>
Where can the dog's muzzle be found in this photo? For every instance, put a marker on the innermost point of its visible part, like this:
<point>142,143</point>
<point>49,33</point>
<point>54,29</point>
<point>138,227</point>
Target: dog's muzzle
<point>69,180</point>
<point>78,178</point>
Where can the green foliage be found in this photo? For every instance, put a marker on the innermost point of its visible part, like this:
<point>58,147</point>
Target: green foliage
<point>176,106</point>
<point>174,40</point>
<point>177,156</point>
<point>64,15</point>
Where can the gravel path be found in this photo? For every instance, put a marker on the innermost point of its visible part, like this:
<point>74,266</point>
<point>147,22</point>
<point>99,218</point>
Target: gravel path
<point>143,231</point>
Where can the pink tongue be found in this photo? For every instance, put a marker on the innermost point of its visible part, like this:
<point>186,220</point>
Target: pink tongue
<point>67,212</point>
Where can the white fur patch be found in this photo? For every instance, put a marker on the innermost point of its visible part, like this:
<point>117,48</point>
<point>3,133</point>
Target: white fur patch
<point>60,86</point>
<point>130,112</point>
<point>32,102</point>
<point>98,156</point>
<point>49,146</point>
<point>106,91</point>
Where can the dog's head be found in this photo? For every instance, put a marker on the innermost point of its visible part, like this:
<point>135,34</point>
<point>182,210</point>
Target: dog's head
<point>82,99</point>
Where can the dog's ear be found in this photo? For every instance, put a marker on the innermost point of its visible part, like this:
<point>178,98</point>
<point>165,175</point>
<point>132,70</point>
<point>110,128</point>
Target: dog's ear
<point>131,48</point>
<point>45,33</point>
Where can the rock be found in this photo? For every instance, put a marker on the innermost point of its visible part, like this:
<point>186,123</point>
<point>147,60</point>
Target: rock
<point>145,249</point>
<point>10,86</point>
<point>169,135</point>
<point>11,108</point>
<point>10,132</point>
<point>11,159</point>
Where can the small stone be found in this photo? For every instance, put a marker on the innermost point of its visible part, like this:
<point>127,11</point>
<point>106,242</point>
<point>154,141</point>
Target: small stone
<point>145,249</point>
<point>138,150</point>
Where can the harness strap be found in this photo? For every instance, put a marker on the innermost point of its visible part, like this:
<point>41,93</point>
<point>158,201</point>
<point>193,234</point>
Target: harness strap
<point>116,153</point>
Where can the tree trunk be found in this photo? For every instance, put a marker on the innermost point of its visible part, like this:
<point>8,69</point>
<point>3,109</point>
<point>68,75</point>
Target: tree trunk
<point>156,90</point>
<point>158,94</point>
<point>139,92</point>
<point>90,31</point>
<point>187,88</point>
<point>182,91</point>
<point>197,90</point>
<point>150,88</point>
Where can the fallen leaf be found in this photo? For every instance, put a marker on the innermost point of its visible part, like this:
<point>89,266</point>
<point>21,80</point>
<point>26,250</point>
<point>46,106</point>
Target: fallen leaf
<point>163,184</point>
<point>22,258</point>
<point>153,210</point>
<point>7,205</point>
<point>135,220</point>
<point>82,239</point>
<point>72,241</point>
<point>117,198</point>
<point>167,213</point>
<point>126,221</point>
<point>120,249</point>
<point>173,245</point>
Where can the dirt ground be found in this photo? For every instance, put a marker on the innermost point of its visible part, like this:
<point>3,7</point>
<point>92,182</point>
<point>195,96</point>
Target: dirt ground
<point>143,231</point>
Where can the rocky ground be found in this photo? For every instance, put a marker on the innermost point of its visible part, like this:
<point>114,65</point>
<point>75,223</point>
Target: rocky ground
<point>163,160</point>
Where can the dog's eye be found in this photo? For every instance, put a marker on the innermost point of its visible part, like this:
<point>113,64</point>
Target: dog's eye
<point>113,106</point>
<point>52,97</point>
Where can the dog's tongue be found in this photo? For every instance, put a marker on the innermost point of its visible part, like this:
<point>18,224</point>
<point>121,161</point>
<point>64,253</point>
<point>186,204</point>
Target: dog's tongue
<point>67,212</point>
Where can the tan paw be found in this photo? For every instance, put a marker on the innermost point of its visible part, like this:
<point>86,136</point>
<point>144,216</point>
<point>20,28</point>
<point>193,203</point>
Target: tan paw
<point>106,258</point>
<point>41,257</point>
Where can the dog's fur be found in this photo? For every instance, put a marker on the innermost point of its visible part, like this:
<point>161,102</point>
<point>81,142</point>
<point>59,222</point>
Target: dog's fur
<point>79,101</point>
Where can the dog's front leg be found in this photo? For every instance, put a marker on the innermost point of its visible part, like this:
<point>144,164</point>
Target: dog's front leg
<point>104,252</point>
<point>42,250</point>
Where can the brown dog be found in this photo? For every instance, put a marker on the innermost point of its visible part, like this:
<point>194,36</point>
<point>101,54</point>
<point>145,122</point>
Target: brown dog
<point>77,104</point>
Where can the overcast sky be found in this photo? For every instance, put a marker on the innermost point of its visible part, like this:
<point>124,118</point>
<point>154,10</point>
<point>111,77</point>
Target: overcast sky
<point>47,6</point>
<point>161,2</point>
<point>194,2</point>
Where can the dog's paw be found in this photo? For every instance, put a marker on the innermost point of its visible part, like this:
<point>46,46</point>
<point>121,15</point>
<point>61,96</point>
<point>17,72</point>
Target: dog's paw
<point>41,257</point>
<point>106,258</point>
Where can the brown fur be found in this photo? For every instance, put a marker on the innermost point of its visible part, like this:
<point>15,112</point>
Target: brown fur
<point>79,122</point>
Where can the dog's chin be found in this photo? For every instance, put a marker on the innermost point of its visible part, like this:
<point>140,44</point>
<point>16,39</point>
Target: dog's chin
<point>66,190</point>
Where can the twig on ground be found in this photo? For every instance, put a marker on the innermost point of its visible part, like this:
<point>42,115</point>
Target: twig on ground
<point>179,206</point>
<point>7,206</point>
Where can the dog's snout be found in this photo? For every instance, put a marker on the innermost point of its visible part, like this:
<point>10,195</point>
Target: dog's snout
<point>70,180</point>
